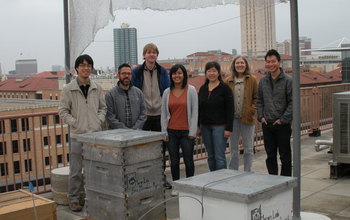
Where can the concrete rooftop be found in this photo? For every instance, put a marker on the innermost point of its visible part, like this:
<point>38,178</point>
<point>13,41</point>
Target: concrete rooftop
<point>319,193</point>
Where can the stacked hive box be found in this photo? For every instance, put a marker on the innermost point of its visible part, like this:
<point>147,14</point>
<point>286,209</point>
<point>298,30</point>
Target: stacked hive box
<point>123,174</point>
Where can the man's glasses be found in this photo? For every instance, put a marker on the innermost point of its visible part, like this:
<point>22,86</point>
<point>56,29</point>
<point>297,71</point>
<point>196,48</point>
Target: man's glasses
<point>82,65</point>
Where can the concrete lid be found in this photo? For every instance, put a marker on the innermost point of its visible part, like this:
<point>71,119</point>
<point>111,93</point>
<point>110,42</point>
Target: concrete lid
<point>120,137</point>
<point>235,185</point>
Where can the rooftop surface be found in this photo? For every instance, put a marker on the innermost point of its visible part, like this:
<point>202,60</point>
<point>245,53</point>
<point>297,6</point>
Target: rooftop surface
<point>319,193</point>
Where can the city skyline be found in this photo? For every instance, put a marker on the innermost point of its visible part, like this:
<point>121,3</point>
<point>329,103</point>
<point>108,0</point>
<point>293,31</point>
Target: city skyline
<point>212,28</point>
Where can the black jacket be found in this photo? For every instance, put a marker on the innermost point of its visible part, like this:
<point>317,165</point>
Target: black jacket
<point>216,109</point>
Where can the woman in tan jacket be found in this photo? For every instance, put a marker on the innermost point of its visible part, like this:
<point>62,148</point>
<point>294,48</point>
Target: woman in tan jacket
<point>244,87</point>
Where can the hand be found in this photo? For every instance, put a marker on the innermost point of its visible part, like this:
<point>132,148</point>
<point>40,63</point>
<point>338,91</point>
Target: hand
<point>227,134</point>
<point>198,132</point>
<point>263,121</point>
<point>191,137</point>
<point>277,122</point>
<point>166,139</point>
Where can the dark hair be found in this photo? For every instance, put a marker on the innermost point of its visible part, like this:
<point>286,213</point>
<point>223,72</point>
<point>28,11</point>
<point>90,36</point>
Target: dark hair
<point>210,65</point>
<point>273,52</point>
<point>123,65</point>
<point>81,59</point>
<point>173,70</point>
<point>233,67</point>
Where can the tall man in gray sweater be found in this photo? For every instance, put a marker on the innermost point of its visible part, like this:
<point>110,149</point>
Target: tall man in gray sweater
<point>274,106</point>
<point>125,103</point>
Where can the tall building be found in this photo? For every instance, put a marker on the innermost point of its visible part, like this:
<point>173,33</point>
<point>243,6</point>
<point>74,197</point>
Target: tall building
<point>27,66</point>
<point>125,45</point>
<point>345,64</point>
<point>258,31</point>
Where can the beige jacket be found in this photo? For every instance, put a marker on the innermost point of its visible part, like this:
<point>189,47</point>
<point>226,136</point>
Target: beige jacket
<point>249,99</point>
<point>83,115</point>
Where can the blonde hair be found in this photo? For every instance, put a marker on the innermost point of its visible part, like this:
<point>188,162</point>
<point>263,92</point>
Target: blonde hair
<point>150,46</point>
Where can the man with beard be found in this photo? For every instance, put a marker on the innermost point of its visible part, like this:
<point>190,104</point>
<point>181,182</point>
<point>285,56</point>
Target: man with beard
<point>125,103</point>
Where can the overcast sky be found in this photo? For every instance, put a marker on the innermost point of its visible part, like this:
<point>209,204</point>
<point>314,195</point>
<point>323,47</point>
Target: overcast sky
<point>34,29</point>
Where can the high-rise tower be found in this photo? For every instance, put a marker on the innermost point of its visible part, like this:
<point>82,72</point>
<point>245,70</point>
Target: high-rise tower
<point>258,31</point>
<point>125,45</point>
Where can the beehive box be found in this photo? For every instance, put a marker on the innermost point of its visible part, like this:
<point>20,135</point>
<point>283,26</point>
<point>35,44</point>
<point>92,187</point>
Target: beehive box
<point>18,205</point>
<point>130,180</point>
<point>106,205</point>
<point>249,196</point>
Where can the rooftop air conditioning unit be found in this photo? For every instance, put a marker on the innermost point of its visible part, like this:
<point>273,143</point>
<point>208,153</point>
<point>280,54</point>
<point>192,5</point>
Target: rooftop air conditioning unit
<point>341,134</point>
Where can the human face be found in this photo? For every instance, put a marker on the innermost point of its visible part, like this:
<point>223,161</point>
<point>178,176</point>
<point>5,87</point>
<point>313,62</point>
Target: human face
<point>125,76</point>
<point>150,56</point>
<point>178,77</point>
<point>84,70</point>
<point>240,66</point>
<point>272,65</point>
<point>212,74</point>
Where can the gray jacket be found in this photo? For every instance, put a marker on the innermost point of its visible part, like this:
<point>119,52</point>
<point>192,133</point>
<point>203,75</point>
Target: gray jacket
<point>115,100</point>
<point>275,102</point>
<point>83,115</point>
<point>192,110</point>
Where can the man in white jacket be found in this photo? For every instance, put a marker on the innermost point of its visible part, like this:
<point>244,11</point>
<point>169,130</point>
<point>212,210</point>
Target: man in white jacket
<point>83,108</point>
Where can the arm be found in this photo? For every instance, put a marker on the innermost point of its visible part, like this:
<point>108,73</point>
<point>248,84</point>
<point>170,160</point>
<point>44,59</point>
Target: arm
<point>194,112</point>
<point>64,109</point>
<point>288,113</point>
<point>260,102</point>
<point>254,93</point>
<point>102,108</point>
<point>229,108</point>
<point>164,111</point>
<point>142,116</point>
<point>111,115</point>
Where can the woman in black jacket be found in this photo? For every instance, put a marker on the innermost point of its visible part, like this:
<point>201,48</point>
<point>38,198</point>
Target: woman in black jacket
<point>215,115</point>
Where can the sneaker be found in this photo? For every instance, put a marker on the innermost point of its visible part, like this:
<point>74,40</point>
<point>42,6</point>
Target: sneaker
<point>75,206</point>
<point>174,193</point>
<point>167,185</point>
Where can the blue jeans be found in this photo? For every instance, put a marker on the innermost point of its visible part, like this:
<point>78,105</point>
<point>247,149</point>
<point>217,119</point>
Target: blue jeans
<point>177,139</point>
<point>247,132</point>
<point>215,144</point>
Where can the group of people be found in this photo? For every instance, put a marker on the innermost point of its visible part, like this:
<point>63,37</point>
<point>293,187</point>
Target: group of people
<point>147,97</point>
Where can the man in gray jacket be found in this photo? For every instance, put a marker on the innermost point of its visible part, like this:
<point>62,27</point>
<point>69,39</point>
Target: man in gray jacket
<point>125,103</point>
<point>83,108</point>
<point>274,105</point>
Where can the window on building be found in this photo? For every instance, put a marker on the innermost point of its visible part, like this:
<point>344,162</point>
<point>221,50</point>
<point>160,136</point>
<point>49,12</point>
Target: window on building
<point>57,119</point>
<point>3,149</point>
<point>2,127</point>
<point>47,161</point>
<point>14,146</point>
<point>58,139</point>
<point>59,159</point>
<point>26,145</point>
<point>13,125</point>
<point>46,141</point>
<point>28,165</point>
<point>43,120</point>
<point>56,97</point>
<point>50,96</point>
<point>25,124</point>
<point>67,138</point>
<point>67,157</point>
<point>3,169</point>
<point>38,96</point>
<point>16,168</point>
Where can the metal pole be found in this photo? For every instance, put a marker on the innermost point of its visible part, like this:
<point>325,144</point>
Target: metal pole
<point>66,41</point>
<point>66,51</point>
<point>296,105</point>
